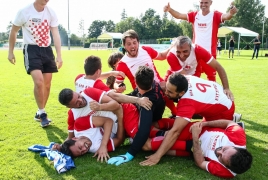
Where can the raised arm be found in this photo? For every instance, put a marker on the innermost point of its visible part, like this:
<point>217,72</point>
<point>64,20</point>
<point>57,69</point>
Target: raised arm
<point>230,13</point>
<point>174,13</point>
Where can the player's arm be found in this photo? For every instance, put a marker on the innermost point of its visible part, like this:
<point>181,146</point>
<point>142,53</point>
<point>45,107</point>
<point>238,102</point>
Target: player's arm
<point>230,13</point>
<point>218,123</point>
<point>107,125</point>
<point>107,104</point>
<point>105,75</point>
<point>122,98</point>
<point>12,40</point>
<point>163,54</point>
<point>57,43</point>
<point>197,152</point>
<point>120,135</point>
<point>223,76</point>
<point>174,13</point>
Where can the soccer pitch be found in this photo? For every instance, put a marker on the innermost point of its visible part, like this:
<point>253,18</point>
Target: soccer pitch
<point>247,80</point>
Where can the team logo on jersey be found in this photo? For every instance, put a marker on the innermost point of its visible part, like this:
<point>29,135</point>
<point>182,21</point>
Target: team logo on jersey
<point>36,20</point>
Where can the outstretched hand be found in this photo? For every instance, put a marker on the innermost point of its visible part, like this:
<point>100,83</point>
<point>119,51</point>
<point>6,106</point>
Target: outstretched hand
<point>102,154</point>
<point>150,160</point>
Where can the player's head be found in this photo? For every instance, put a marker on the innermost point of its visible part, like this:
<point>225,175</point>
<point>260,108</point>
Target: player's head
<point>92,65</point>
<point>176,86</point>
<point>71,99</point>
<point>76,147</point>
<point>131,42</point>
<point>205,5</point>
<point>144,78</point>
<point>183,47</point>
<point>114,59</point>
<point>238,160</point>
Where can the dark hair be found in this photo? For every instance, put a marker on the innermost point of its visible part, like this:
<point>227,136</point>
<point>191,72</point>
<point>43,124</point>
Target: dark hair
<point>65,96</point>
<point>144,77</point>
<point>114,58</point>
<point>131,34</point>
<point>65,147</point>
<point>241,161</point>
<point>179,81</point>
<point>92,64</point>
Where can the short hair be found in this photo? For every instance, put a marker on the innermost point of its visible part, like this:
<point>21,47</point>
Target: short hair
<point>241,161</point>
<point>131,34</point>
<point>179,81</point>
<point>181,40</point>
<point>65,96</point>
<point>144,77</point>
<point>65,147</point>
<point>92,64</point>
<point>113,59</point>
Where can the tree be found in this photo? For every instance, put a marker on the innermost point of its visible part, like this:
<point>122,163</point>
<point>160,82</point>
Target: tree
<point>129,23</point>
<point>63,35</point>
<point>109,26</point>
<point>186,29</point>
<point>96,28</point>
<point>81,31</point>
<point>250,15</point>
<point>170,29</point>
<point>123,15</point>
<point>75,40</point>
<point>152,24</point>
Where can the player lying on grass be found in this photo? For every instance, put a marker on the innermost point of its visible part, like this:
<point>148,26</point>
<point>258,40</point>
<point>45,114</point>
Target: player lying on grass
<point>218,147</point>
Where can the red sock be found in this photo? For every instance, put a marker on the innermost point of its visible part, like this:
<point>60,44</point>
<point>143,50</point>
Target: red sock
<point>165,123</point>
<point>182,153</point>
<point>157,141</point>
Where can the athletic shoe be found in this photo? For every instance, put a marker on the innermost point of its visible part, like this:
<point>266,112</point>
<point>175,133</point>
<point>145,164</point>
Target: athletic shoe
<point>44,120</point>
<point>242,124</point>
<point>237,117</point>
<point>37,118</point>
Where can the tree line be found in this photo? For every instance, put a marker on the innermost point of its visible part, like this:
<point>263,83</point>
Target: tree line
<point>151,26</point>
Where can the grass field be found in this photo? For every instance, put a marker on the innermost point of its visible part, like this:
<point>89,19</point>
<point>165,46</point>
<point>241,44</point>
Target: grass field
<point>248,81</point>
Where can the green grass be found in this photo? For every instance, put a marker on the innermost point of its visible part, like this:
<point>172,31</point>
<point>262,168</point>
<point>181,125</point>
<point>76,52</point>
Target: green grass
<point>247,79</point>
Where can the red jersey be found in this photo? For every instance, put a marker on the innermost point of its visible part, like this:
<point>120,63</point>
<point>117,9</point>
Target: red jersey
<point>130,65</point>
<point>205,29</point>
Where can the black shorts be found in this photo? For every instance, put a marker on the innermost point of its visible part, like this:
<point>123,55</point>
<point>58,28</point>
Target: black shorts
<point>39,58</point>
<point>219,48</point>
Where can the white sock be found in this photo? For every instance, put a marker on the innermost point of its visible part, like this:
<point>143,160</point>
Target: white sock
<point>40,111</point>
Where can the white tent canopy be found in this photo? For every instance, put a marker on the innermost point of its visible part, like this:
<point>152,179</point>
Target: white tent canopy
<point>223,31</point>
<point>110,35</point>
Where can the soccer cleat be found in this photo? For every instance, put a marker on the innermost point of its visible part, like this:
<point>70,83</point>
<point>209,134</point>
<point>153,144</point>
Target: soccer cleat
<point>242,124</point>
<point>237,117</point>
<point>37,118</point>
<point>44,120</point>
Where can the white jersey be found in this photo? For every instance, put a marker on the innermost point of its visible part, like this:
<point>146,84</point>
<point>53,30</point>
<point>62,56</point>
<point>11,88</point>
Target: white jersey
<point>202,97</point>
<point>95,135</point>
<point>36,25</point>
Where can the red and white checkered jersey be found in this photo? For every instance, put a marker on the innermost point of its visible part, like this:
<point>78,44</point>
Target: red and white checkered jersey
<point>36,25</point>
<point>190,64</point>
<point>89,94</point>
<point>203,97</point>
<point>94,134</point>
<point>130,65</point>
<point>205,29</point>
<point>212,138</point>
<point>81,84</point>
